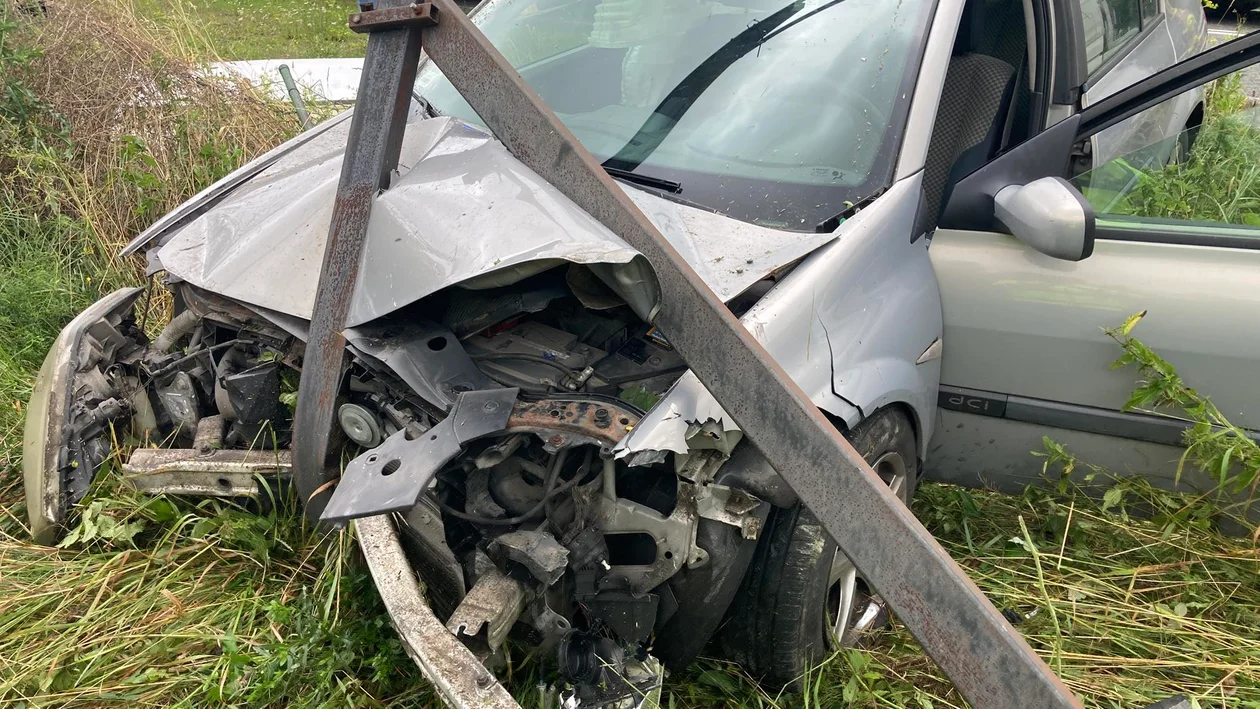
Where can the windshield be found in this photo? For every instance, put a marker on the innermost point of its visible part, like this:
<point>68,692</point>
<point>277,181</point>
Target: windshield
<point>775,112</point>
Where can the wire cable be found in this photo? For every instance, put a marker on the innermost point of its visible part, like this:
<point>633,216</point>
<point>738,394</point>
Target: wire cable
<point>551,491</point>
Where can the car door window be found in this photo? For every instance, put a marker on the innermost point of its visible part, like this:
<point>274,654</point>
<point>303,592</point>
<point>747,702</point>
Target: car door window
<point>1109,26</point>
<point>1206,175</point>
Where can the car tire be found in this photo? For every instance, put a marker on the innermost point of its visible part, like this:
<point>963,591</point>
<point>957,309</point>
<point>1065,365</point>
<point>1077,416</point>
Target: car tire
<point>1185,143</point>
<point>779,622</point>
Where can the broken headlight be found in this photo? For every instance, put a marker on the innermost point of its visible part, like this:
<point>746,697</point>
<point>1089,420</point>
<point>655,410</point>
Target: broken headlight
<point>71,399</point>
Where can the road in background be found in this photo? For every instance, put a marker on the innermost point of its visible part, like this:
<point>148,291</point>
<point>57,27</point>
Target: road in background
<point>1231,27</point>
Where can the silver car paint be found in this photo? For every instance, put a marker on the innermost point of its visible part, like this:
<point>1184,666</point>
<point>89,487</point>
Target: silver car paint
<point>927,90</point>
<point>462,210</point>
<point>979,451</point>
<point>172,219</point>
<point>1180,33</point>
<point>1020,322</point>
<point>1048,215</point>
<point>848,325</point>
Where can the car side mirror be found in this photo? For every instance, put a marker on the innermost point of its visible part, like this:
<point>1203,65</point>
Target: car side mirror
<point>1049,215</point>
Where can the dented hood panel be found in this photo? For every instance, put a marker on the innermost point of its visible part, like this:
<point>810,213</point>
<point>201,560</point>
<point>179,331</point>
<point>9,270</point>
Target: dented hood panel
<point>461,210</point>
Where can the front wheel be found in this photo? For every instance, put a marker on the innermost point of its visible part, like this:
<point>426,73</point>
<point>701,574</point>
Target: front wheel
<point>1185,143</point>
<point>802,597</point>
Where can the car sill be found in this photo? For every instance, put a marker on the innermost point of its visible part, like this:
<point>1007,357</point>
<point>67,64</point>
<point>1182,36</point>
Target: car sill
<point>1073,417</point>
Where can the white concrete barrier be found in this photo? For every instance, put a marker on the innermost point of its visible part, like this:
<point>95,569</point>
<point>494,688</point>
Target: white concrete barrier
<point>326,79</point>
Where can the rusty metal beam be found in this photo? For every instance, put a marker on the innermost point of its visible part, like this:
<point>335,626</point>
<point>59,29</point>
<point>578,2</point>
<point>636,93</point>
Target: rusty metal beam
<point>988,661</point>
<point>376,131</point>
<point>414,14</point>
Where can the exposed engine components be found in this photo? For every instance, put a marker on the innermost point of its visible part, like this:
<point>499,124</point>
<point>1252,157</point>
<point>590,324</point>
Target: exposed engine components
<point>587,549</point>
<point>538,552</point>
<point>360,425</point>
<point>102,391</point>
<point>393,476</point>
<point>425,356</point>
<point>603,676</point>
<point>512,506</point>
<point>612,601</point>
<point>247,394</point>
<point>588,659</point>
<point>487,613</point>
<point>178,398</point>
<point>206,469</point>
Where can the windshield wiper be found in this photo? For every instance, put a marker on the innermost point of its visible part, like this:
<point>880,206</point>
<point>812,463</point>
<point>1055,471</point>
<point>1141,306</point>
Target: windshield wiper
<point>685,94</point>
<point>645,180</point>
<point>429,110</point>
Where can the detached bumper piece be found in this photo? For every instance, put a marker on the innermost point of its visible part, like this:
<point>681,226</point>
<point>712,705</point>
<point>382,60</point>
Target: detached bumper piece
<point>74,403</point>
<point>454,670</point>
<point>206,469</point>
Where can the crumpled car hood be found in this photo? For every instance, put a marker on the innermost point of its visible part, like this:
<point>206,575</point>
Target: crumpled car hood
<point>461,210</point>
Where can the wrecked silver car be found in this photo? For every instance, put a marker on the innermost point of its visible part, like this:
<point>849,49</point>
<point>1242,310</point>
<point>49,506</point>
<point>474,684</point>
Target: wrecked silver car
<point>556,471</point>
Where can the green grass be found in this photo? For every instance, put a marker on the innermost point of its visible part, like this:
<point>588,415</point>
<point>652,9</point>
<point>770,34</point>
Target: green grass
<point>207,605</point>
<point>265,29</point>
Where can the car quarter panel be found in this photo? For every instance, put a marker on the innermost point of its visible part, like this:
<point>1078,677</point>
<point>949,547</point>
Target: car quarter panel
<point>1187,27</point>
<point>1176,35</point>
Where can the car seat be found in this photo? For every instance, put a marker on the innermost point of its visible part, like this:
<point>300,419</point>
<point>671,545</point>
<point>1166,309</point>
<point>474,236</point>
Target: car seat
<point>971,118</point>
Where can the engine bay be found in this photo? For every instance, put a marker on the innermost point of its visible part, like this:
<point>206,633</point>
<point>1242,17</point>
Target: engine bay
<point>502,409</point>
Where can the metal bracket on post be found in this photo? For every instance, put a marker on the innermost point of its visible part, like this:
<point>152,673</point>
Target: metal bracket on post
<point>988,661</point>
<point>417,14</point>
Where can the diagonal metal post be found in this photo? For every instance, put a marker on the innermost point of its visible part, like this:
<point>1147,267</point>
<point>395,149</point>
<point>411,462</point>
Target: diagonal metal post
<point>988,661</point>
<point>376,132</point>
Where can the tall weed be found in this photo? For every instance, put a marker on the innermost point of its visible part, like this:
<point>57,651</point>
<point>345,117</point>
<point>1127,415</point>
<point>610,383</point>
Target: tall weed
<point>1219,181</point>
<point>103,128</point>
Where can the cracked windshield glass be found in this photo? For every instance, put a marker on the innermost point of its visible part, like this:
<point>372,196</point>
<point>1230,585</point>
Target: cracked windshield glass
<point>783,114</point>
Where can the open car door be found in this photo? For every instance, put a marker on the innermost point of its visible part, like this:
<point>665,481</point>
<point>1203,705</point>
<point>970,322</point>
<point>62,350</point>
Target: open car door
<point>1035,261</point>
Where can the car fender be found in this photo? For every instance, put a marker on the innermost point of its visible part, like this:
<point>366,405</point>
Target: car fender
<point>848,325</point>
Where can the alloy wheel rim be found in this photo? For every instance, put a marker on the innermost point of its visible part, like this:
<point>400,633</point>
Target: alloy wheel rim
<point>849,602</point>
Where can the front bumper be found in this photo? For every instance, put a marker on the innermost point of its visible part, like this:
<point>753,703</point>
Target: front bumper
<point>45,444</point>
<point>455,672</point>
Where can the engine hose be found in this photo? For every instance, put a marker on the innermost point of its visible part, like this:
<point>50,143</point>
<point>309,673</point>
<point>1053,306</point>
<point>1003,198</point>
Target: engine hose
<point>176,364</point>
<point>179,326</point>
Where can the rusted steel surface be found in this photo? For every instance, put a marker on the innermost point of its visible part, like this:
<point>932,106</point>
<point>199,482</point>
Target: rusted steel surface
<point>564,423</point>
<point>376,131</point>
<point>988,661</point>
<point>416,13</point>
<point>455,672</point>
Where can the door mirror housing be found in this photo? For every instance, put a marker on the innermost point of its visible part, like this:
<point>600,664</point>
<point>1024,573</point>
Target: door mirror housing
<point>1050,215</point>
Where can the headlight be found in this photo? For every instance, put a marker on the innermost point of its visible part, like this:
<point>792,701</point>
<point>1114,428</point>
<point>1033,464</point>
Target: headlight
<point>45,450</point>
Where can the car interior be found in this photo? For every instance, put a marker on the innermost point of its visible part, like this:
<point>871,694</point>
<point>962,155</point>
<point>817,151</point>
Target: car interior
<point>986,102</point>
